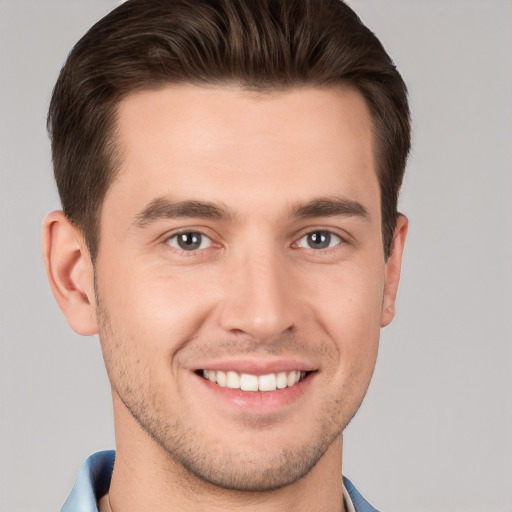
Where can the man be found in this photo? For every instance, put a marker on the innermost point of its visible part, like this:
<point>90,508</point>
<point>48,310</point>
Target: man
<point>229,173</point>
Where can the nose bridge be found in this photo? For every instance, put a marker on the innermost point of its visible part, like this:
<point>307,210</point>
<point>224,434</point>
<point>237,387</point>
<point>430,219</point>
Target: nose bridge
<point>258,299</point>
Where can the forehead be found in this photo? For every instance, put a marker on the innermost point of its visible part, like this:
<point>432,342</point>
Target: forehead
<point>224,143</point>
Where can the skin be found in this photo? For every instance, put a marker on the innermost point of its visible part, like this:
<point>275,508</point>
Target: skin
<point>255,293</point>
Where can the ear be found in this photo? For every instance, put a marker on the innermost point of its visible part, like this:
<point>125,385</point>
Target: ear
<point>393,267</point>
<point>70,272</point>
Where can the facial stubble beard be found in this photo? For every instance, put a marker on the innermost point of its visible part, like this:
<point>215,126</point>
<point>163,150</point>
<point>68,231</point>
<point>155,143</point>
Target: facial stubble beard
<point>227,468</point>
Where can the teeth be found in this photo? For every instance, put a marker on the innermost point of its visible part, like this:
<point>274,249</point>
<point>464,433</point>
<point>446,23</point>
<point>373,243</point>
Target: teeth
<point>267,382</point>
<point>281,380</point>
<point>248,382</point>
<point>290,381</point>
<point>222,379</point>
<point>233,380</point>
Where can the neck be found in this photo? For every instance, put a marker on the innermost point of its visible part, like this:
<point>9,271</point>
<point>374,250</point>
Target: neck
<point>145,477</point>
<point>142,483</point>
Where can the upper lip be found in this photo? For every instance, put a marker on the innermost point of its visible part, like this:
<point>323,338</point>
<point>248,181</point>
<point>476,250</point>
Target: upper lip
<point>257,367</point>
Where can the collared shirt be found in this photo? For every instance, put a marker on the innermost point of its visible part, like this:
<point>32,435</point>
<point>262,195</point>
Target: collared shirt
<point>94,480</point>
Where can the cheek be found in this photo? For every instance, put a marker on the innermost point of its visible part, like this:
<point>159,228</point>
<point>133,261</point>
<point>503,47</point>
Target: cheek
<point>349,297</point>
<point>348,307</point>
<point>153,307</point>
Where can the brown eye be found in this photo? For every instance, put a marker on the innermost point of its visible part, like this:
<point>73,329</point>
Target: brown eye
<point>189,241</point>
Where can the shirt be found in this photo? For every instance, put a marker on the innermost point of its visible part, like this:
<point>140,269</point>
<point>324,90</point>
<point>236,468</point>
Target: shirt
<point>93,482</point>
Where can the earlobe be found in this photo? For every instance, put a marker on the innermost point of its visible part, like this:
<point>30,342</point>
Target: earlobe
<point>393,268</point>
<point>70,272</point>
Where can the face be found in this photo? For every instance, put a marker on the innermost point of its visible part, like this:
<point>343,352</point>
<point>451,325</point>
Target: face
<point>241,282</point>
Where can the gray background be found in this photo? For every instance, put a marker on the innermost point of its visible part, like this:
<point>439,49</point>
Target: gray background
<point>435,431</point>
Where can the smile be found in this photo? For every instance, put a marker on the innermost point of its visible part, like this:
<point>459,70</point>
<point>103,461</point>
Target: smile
<point>250,382</point>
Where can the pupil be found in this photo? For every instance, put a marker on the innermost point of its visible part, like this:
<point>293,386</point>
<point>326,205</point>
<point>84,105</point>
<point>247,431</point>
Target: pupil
<point>319,240</point>
<point>189,241</point>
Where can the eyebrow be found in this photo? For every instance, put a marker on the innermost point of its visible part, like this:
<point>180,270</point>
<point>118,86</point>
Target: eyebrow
<point>164,208</point>
<point>331,207</point>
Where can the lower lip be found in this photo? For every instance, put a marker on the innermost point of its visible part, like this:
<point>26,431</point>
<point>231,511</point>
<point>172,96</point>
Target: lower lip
<point>259,401</point>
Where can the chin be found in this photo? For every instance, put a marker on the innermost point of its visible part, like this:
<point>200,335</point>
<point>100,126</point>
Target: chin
<point>245,473</point>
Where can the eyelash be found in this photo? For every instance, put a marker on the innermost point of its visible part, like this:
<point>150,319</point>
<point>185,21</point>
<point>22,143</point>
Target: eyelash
<point>323,233</point>
<point>189,233</point>
<point>195,251</point>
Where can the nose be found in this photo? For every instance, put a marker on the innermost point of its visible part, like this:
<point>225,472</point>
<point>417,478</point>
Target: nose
<point>258,298</point>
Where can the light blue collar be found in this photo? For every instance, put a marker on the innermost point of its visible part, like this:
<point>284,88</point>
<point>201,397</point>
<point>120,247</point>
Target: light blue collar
<point>94,480</point>
<point>92,483</point>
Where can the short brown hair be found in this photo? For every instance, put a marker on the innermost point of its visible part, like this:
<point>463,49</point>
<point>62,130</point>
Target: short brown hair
<point>259,44</point>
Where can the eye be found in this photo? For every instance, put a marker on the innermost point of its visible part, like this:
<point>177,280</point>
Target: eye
<point>319,240</point>
<point>189,241</point>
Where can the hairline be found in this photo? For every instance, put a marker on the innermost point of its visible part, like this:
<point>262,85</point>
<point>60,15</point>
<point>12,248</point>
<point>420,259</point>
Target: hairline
<point>115,152</point>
